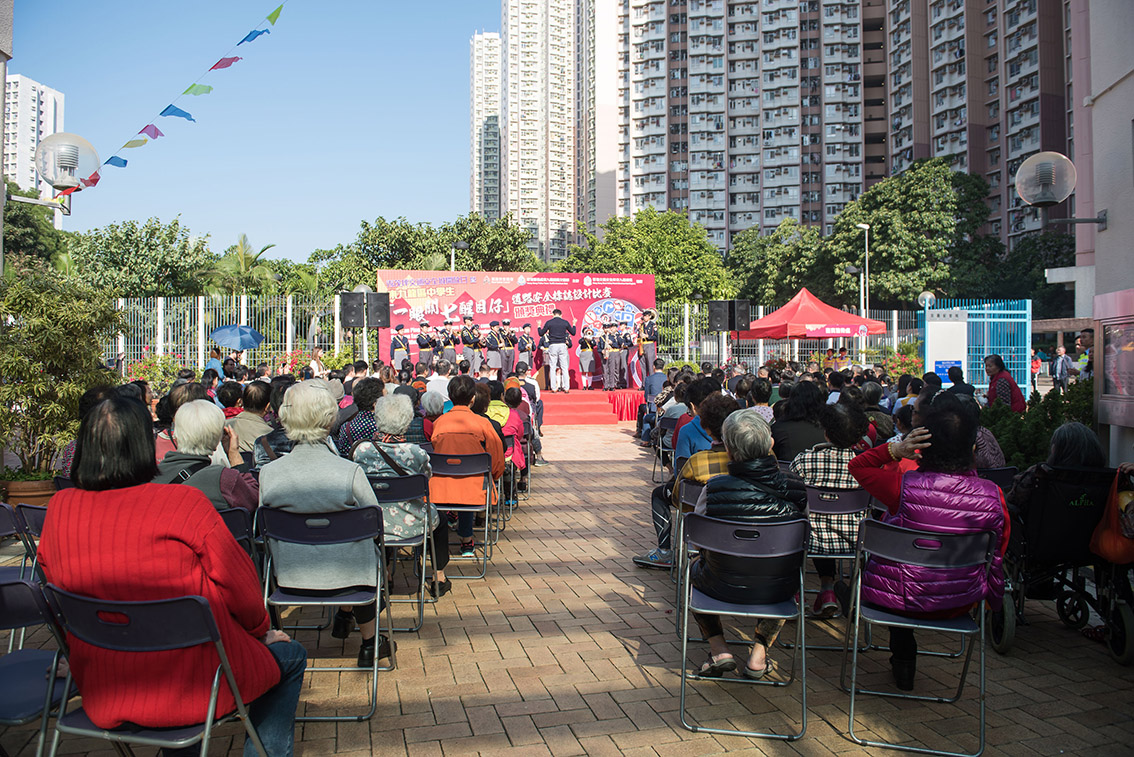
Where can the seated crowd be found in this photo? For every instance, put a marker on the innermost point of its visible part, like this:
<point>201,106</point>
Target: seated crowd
<point>150,478</point>
<point>757,441</point>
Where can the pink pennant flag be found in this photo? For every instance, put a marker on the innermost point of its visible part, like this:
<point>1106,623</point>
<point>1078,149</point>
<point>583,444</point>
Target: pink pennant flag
<point>224,63</point>
<point>151,131</point>
<point>66,192</point>
<point>91,180</point>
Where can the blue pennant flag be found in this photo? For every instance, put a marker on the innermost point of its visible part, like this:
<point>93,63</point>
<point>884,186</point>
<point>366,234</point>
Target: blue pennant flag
<point>115,161</point>
<point>171,110</point>
<point>252,35</point>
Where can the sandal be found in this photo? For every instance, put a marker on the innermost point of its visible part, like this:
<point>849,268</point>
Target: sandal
<point>715,667</point>
<point>756,675</point>
<point>1095,633</point>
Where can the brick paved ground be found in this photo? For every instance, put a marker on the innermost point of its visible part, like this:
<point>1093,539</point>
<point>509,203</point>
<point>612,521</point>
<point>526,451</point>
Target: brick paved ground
<point>568,649</point>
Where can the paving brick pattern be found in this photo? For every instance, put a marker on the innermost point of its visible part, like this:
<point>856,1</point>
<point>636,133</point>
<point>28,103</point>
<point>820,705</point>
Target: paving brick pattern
<point>568,649</point>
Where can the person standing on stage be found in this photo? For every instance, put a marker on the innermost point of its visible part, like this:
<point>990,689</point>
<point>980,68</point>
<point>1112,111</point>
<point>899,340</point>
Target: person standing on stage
<point>425,345</point>
<point>608,346</point>
<point>648,339</point>
<point>627,342</point>
<point>470,344</point>
<point>587,346</point>
<point>448,340</point>
<point>399,347</point>
<point>525,346</point>
<point>558,332</point>
<point>493,341</point>
<point>508,348</point>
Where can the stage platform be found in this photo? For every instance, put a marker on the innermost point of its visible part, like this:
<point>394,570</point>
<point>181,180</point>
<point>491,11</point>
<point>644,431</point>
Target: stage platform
<point>590,408</point>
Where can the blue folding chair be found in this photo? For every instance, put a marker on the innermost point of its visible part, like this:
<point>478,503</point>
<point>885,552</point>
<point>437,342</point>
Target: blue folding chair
<point>1002,477</point>
<point>783,541</point>
<point>927,549</point>
<point>390,489</point>
<point>140,627</point>
<point>358,524</point>
<point>469,466</point>
<point>239,522</point>
<point>29,675</point>
<point>661,449</point>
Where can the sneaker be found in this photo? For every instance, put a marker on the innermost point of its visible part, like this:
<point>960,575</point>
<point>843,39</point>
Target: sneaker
<point>826,605</point>
<point>655,558</point>
<point>539,462</point>
<point>468,550</point>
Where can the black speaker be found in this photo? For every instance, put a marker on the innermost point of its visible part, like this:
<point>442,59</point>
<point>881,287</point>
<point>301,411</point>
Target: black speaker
<point>377,310</point>
<point>350,309</point>
<point>742,315</point>
<point>718,315</point>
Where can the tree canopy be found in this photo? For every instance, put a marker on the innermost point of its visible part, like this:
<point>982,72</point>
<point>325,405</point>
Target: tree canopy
<point>29,230</point>
<point>665,244</point>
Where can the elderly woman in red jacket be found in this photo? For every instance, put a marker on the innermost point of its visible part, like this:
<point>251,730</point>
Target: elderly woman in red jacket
<point>944,494</point>
<point>115,536</point>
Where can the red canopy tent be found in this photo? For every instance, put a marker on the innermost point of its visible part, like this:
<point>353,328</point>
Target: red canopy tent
<point>808,317</point>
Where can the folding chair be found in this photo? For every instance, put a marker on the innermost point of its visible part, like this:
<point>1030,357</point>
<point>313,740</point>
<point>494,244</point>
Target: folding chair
<point>661,449</point>
<point>783,540</point>
<point>153,626</point>
<point>469,466</point>
<point>508,486</point>
<point>29,690</point>
<point>426,447</point>
<point>239,522</point>
<point>11,525</point>
<point>927,549</point>
<point>358,524</point>
<point>688,493</point>
<point>1002,477</point>
<point>529,455</point>
<point>63,482</point>
<point>402,489</point>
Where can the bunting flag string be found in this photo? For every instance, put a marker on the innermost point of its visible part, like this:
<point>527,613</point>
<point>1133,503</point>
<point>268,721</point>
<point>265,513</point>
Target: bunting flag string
<point>196,89</point>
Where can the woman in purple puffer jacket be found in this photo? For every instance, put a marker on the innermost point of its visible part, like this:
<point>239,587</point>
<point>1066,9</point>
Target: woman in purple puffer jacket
<point>944,494</point>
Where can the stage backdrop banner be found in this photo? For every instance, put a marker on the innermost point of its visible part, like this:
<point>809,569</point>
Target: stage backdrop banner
<point>586,299</point>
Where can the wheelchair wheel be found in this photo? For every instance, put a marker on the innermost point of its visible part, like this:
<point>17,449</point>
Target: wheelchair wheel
<point>1073,610</point>
<point>1002,626</point>
<point>1121,627</point>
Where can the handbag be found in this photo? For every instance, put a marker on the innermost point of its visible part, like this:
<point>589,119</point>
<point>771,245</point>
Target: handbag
<point>1113,539</point>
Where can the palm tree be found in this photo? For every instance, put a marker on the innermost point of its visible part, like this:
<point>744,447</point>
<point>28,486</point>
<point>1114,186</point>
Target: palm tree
<point>64,263</point>
<point>434,261</point>
<point>242,269</point>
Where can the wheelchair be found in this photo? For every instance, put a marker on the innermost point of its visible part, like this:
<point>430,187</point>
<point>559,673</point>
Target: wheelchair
<point>1049,557</point>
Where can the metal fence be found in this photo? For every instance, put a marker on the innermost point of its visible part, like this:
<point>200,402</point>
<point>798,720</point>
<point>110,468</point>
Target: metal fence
<point>685,335</point>
<point>995,327</point>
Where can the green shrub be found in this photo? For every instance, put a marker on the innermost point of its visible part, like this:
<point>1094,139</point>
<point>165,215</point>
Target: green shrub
<point>1026,438</point>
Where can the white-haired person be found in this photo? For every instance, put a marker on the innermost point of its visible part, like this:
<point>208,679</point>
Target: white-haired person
<point>312,478</point>
<point>389,455</point>
<point>433,406</point>
<point>198,429</point>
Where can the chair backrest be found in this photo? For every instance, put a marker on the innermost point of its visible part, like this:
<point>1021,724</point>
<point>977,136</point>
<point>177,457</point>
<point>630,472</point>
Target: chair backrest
<point>927,549</point>
<point>149,626</point>
<point>778,539</point>
<point>509,440</point>
<point>31,517</point>
<point>1002,477</point>
<point>9,526</point>
<point>1066,505</point>
<point>679,464</point>
<point>785,465</point>
<point>249,458</point>
<point>825,501</point>
<point>22,604</point>
<point>239,522</point>
<point>460,465</point>
<point>689,492</point>
<point>398,488</point>
<point>340,527</point>
<point>667,424</point>
<point>427,447</point>
<point>63,482</point>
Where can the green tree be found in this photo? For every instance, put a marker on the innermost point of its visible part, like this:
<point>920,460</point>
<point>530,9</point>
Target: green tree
<point>665,244</point>
<point>242,270</point>
<point>29,229</point>
<point>150,259</point>
<point>769,270</point>
<point>50,353</point>
<point>1023,273</point>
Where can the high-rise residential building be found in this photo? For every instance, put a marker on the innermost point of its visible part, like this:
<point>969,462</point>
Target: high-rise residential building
<point>746,113</point>
<point>599,51</point>
<point>984,83</point>
<point>32,112</point>
<point>484,126</point>
<point>539,128</point>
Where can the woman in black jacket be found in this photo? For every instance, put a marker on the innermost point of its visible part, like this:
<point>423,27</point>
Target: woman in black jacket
<point>798,428</point>
<point>753,491</point>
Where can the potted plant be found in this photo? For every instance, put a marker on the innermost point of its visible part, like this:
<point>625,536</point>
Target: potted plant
<point>51,332</point>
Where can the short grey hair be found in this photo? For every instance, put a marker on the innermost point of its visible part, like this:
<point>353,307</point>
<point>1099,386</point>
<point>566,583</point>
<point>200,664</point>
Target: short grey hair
<point>746,435</point>
<point>443,367</point>
<point>198,427</point>
<point>308,412</point>
<point>393,413</point>
<point>433,402</point>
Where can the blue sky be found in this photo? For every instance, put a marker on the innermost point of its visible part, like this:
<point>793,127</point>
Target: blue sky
<point>347,111</point>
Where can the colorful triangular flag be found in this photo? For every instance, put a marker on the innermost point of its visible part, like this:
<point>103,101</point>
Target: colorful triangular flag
<point>151,131</point>
<point>198,89</point>
<point>274,15</point>
<point>171,110</point>
<point>224,63</point>
<point>115,161</point>
<point>91,180</point>
<point>135,143</point>
<point>252,35</point>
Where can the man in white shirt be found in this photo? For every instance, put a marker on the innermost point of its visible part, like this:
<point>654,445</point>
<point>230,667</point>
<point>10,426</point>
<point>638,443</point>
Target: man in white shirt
<point>439,381</point>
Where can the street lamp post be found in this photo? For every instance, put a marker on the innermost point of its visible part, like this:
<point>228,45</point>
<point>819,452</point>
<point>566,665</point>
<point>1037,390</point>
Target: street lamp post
<point>460,244</point>
<point>866,271</point>
<point>853,269</point>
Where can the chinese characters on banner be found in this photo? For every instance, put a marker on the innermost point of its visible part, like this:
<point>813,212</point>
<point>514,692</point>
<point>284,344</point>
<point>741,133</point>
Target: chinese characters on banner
<point>586,299</point>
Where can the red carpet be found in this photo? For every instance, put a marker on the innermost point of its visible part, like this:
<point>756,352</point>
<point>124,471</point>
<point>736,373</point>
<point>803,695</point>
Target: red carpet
<point>578,408</point>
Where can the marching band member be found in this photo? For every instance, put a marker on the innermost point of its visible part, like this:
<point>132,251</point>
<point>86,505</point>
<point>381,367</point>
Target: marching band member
<point>627,342</point>
<point>448,340</point>
<point>648,340</point>
<point>493,342</point>
<point>426,347</point>
<point>399,347</point>
<point>608,346</point>
<point>470,342</point>
<point>587,348</point>
<point>525,346</point>
<point>508,350</point>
